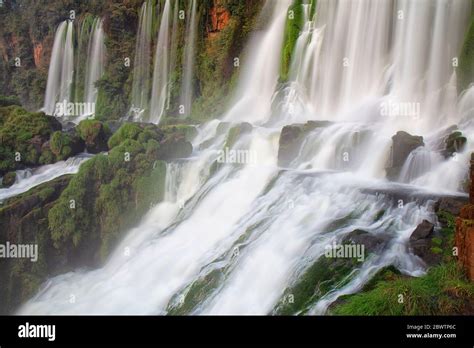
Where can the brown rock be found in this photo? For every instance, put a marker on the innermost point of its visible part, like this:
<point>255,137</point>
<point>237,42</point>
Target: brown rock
<point>464,235</point>
<point>464,240</point>
<point>219,16</point>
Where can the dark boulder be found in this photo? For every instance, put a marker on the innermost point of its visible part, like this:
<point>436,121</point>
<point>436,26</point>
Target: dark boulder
<point>454,143</point>
<point>422,231</point>
<point>371,242</point>
<point>402,145</point>
<point>421,245</point>
<point>291,139</point>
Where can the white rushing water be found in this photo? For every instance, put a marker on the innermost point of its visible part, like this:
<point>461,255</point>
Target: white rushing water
<point>27,179</point>
<point>95,63</point>
<point>159,92</point>
<point>141,66</point>
<point>64,72</point>
<point>61,68</point>
<point>187,90</point>
<point>236,238</point>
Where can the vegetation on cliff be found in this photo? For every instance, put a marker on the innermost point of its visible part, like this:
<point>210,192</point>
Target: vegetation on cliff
<point>444,290</point>
<point>294,25</point>
<point>22,135</point>
<point>466,60</point>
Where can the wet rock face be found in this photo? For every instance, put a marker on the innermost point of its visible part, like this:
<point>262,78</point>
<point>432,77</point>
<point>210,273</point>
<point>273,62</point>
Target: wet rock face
<point>422,231</point>
<point>403,145</point>
<point>454,143</point>
<point>451,205</point>
<point>421,245</point>
<point>291,139</point>
<point>371,242</point>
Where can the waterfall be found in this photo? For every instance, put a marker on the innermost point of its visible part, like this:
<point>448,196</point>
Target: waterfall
<point>259,79</point>
<point>95,62</point>
<point>140,96</point>
<point>235,239</point>
<point>61,71</point>
<point>65,74</point>
<point>27,179</point>
<point>187,90</point>
<point>159,93</point>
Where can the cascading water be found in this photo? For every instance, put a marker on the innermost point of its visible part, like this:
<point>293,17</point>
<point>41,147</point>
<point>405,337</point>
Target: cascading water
<point>65,72</point>
<point>159,92</point>
<point>141,66</point>
<point>61,71</point>
<point>239,238</point>
<point>95,62</point>
<point>27,179</point>
<point>187,91</point>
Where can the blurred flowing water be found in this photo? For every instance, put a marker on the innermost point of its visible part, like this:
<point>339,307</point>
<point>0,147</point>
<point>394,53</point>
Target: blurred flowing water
<point>237,238</point>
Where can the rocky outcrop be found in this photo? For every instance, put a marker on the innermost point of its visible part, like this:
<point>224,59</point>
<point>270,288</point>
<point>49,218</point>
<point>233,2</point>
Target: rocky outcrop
<point>372,243</point>
<point>94,135</point>
<point>402,145</point>
<point>451,205</point>
<point>291,139</point>
<point>219,16</point>
<point>454,143</point>
<point>22,135</point>
<point>421,243</point>
<point>464,235</point>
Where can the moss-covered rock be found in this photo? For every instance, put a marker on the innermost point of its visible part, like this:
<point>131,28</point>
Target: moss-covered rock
<point>111,193</point>
<point>454,143</point>
<point>94,135</point>
<point>294,25</point>
<point>63,145</point>
<point>22,135</point>
<point>9,100</point>
<point>444,290</point>
<point>8,179</point>
<point>321,277</point>
<point>23,219</point>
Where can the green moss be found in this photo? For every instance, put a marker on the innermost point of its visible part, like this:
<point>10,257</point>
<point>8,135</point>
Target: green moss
<point>9,100</point>
<point>444,290</point>
<point>61,146</point>
<point>9,179</point>
<point>21,136</point>
<point>316,281</point>
<point>294,25</point>
<point>110,194</point>
<point>89,129</point>
<point>127,131</point>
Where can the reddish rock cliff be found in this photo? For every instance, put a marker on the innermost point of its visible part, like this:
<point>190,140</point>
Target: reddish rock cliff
<point>219,16</point>
<point>465,230</point>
